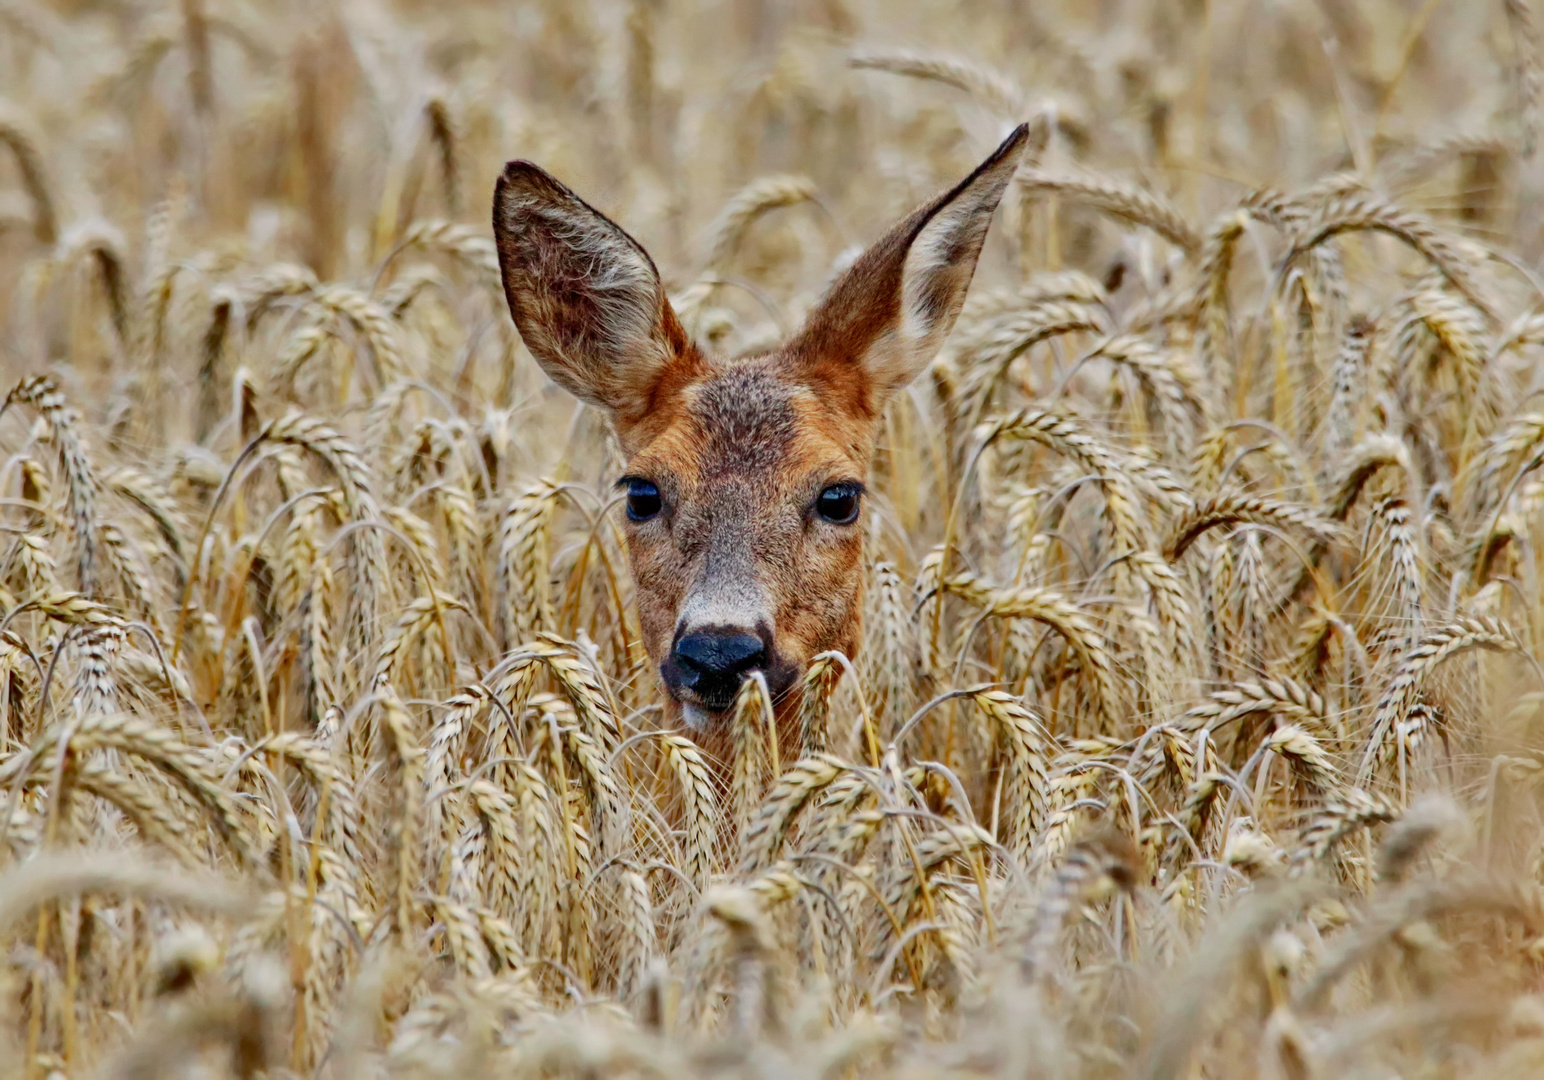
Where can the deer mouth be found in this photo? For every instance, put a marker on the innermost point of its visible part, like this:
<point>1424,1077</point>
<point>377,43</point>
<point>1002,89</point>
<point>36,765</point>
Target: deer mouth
<point>706,706</point>
<point>699,715</point>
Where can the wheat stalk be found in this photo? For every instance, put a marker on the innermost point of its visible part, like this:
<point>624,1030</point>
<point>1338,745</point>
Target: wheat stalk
<point>751,202</point>
<point>1358,211</point>
<point>1023,762</point>
<point>161,749</point>
<point>406,758</point>
<point>524,563</point>
<point>1232,509</point>
<point>1092,865</point>
<point>22,140</point>
<point>1065,436</point>
<point>699,801</point>
<point>987,350</point>
<point>991,88</point>
<point>1063,616</point>
<point>80,480</point>
<point>1404,688</point>
<point>1118,198</point>
<point>461,243</point>
<point>762,840</point>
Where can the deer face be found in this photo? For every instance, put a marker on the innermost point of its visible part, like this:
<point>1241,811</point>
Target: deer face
<point>744,535</point>
<point>745,479</point>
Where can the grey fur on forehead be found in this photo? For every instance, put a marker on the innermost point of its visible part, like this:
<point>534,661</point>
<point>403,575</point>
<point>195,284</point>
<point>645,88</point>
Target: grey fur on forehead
<point>747,416</point>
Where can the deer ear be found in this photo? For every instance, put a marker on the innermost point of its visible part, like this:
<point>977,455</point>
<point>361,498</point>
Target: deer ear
<point>585,296</point>
<point>884,319</point>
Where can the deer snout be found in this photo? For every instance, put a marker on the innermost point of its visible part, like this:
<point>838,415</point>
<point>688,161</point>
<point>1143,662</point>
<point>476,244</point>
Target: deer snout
<point>710,664</point>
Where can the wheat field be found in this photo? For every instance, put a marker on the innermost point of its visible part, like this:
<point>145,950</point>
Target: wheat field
<point>1198,729</point>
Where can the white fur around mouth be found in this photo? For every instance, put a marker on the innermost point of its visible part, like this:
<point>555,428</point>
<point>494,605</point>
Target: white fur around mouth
<point>701,718</point>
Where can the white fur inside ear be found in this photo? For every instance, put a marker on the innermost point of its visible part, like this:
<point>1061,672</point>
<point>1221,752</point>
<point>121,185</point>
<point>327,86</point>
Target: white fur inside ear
<point>938,269</point>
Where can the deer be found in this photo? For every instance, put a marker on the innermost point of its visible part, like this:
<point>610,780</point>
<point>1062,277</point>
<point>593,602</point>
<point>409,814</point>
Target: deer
<point>744,480</point>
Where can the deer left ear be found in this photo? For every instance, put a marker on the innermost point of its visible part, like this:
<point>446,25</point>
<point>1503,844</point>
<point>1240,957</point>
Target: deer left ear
<point>884,319</point>
<point>586,297</point>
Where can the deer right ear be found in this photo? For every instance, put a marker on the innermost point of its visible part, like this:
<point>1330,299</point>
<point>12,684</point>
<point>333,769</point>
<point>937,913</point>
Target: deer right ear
<point>883,320</point>
<point>585,296</point>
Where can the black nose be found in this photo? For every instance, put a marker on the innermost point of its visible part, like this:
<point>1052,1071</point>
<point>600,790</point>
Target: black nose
<point>712,663</point>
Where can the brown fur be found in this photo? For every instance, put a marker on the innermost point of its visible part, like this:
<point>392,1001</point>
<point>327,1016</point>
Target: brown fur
<point>740,450</point>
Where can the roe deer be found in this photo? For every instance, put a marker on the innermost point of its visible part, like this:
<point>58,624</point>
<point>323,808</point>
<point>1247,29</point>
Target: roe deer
<point>744,478</point>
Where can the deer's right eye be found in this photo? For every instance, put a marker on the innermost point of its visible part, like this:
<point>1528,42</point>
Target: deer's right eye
<point>643,500</point>
<point>838,503</point>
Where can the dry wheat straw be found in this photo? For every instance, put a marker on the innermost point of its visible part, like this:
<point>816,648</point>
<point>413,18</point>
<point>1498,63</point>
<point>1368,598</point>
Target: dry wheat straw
<point>1404,688</point>
<point>406,758</point>
<point>461,243</point>
<point>1063,616</point>
<point>1093,864</point>
<point>1231,510</point>
<point>1067,437</point>
<point>444,132</point>
<point>1528,71</point>
<point>987,350</point>
<point>1115,197</point>
<point>700,804</point>
<point>802,782</point>
<point>1360,211</point>
<point>757,198</point>
<point>1023,762</point>
<point>524,562</point>
<point>80,480</point>
<point>820,681</point>
<point>991,88</point>
<point>22,140</point>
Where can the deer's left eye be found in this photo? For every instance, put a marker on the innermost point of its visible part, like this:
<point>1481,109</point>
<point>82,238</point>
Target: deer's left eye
<point>643,500</point>
<point>838,503</point>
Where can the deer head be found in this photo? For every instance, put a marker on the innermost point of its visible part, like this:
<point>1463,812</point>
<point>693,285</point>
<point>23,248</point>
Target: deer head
<point>744,479</point>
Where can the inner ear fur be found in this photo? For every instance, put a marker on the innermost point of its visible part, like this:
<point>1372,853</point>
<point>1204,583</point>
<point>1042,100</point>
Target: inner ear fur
<point>585,296</point>
<point>886,317</point>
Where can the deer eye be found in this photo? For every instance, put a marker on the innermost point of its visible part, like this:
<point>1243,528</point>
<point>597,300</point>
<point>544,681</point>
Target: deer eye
<point>643,500</point>
<point>838,503</point>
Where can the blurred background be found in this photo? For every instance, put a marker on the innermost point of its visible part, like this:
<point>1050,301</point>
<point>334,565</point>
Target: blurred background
<point>193,142</point>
